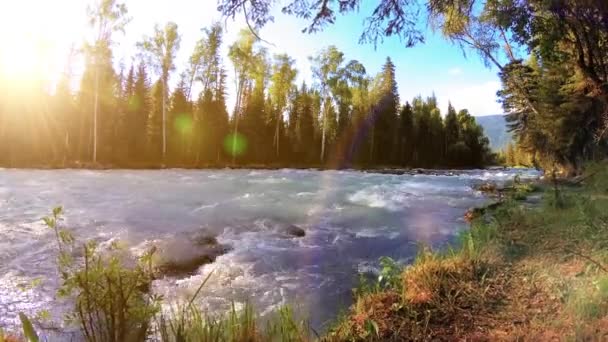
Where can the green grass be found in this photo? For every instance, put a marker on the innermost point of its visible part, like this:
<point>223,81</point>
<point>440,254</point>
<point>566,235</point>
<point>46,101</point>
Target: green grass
<point>186,322</point>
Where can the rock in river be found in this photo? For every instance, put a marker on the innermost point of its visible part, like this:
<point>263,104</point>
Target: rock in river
<point>183,255</point>
<point>294,231</point>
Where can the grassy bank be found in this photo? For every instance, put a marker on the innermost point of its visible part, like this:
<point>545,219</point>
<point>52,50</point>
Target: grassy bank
<point>533,268</point>
<point>523,272</point>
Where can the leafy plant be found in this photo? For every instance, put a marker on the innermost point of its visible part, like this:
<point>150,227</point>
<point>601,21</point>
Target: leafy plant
<point>390,274</point>
<point>111,297</point>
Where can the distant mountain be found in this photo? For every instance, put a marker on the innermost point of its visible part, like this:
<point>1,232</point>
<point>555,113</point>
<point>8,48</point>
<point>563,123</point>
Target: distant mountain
<point>495,128</point>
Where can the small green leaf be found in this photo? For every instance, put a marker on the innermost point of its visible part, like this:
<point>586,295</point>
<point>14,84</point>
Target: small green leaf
<point>66,237</point>
<point>28,328</point>
<point>49,222</point>
<point>57,211</point>
<point>371,327</point>
<point>43,315</point>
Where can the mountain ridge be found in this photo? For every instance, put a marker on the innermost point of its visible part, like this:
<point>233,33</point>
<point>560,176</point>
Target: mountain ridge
<point>495,128</point>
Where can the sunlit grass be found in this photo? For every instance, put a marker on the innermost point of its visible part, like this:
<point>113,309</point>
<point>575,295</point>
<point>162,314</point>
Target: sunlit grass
<point>541,266</point>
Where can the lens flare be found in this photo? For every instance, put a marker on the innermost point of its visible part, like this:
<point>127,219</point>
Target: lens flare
<point>134,103</point>
<point>183,124</point>
<point>235,144</point>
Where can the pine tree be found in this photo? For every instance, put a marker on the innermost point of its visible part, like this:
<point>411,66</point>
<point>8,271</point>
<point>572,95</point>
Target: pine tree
<point>306,126</point>
<point>64,114</point>
<point>218,122</point>
<point>129,123</point>
<point>292,135</point>
<point>437,138</point>
<point>139,108</point>
<point>255,127</point>
<point>452,134</point>
<point>385,117</point>
<point>180,121</point>
<point>155,123</point>
<point>283,75</point>
<point>406,135</point>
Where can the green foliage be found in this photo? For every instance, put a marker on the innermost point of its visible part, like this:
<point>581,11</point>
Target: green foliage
<point>477,238</point>
<point>389,277</point>
<point>111,297</point>
<point>589,302</point>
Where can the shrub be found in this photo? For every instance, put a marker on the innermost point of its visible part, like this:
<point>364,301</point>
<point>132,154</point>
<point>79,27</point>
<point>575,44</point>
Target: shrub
<point>111,296</point>
<point>389,277</point>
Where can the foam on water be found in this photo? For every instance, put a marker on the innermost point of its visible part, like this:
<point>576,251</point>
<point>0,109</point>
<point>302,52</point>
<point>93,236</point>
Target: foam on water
<point>350,218</point>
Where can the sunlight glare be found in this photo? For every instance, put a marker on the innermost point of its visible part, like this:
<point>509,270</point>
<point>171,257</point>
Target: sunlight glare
<point>21,60</point>
<point>35,36</point>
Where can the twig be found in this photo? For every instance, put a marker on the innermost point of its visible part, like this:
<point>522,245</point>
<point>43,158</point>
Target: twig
<point>578,181</point>
<point>588,258</point>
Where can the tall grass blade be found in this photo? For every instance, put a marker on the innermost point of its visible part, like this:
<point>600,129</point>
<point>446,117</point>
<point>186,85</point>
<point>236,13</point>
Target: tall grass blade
<point>28,328</point>
<point>200,288</point>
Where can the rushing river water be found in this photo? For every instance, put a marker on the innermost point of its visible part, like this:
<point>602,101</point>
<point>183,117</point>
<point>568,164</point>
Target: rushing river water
<point>350,218</point>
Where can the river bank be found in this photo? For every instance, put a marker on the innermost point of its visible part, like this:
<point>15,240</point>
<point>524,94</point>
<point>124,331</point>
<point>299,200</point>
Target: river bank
<point>526,270</point>
<point>381,169</point>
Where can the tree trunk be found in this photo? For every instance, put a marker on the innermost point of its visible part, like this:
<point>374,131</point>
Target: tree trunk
<point>237,107</point>
<point>276,135</point>
<point>371,147</point>
<point>323,135</point>
<point>164,119</point>
<point>95,109</point>
<point>236,132</point>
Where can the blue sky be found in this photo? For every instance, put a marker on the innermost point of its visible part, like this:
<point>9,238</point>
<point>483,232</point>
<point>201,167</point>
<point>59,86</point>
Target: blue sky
<point>435,66</point>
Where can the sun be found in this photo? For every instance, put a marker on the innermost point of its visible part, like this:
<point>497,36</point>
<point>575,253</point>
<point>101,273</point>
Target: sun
<point>35,43</point>
<point>22,59</point>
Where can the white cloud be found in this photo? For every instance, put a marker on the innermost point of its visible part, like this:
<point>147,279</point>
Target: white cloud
<point>479,99</point>
<point>455,71</point>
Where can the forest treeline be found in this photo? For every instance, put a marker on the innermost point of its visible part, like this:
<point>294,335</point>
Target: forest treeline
<point>551,57</point>
<point>131,117</point>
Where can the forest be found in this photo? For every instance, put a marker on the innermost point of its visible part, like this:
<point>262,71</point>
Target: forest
<point>131,116</point>
<point>551,57</point>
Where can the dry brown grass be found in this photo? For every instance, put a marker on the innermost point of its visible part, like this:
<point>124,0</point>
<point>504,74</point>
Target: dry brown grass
<point>532,274</point>
<point>442,298</point>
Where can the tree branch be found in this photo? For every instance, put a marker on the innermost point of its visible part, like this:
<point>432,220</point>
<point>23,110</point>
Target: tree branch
<point>251,28</point>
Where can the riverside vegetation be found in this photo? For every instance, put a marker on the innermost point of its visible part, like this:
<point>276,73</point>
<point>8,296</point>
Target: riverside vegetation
<point>534,267</point>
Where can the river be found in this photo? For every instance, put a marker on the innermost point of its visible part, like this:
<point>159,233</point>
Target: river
<point>350,219</point>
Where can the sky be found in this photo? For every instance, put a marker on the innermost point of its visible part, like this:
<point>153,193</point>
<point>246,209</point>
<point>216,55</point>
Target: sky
<point>433,67</point>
